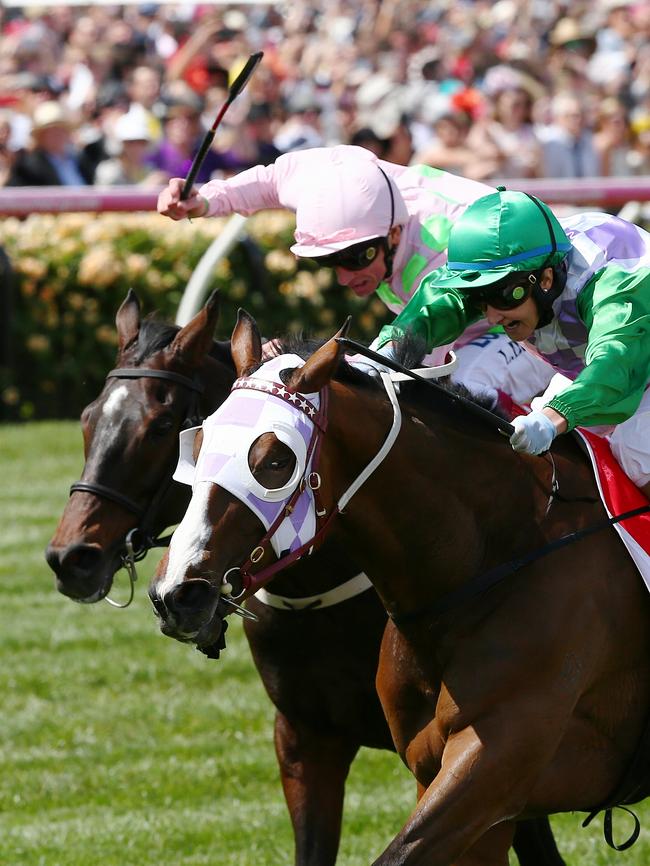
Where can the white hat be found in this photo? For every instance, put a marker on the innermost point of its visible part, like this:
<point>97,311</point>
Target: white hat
<point>132,127</point>
<point>48,114</point>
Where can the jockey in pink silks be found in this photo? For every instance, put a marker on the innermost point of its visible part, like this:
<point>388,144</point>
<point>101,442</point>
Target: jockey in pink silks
<point>382,227</point>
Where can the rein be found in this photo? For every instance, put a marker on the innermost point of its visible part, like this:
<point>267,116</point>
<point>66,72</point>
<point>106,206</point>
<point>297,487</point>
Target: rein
<point>495,575</point>
<point>140,540</point>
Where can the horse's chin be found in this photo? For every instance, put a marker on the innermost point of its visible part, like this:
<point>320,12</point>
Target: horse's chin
<point>98,595</point>
<point>211,639</point>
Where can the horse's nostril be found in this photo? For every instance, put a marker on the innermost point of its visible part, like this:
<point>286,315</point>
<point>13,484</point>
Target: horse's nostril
<point>192,595</point>
<point>80,558</point>
<point>76,559</point>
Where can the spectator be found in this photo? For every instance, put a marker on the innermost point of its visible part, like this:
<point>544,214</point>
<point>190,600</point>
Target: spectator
<point>143,86</point>
<point>387,132</point>
<point>7,155</point>
<point>450,150</point>
<point>182,137</point>
<point>568,147</point>
<point>613,139</point>
<point>508,138</point>
<point>53,160</point>
<point>301,129</point>
<point>255,146</point>
<point>133,134</point>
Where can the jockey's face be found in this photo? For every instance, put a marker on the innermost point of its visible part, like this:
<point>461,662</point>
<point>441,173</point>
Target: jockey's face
<point>520,322</point>
<point>365,281</point>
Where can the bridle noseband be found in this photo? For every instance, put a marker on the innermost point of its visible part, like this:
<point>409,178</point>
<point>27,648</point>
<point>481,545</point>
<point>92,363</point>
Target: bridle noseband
<point>141,538</point>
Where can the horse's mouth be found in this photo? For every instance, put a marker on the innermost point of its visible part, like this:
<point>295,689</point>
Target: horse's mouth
<point>214,640</point>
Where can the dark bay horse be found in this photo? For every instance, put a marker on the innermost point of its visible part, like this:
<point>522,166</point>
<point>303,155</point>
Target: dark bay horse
<point>523,701</point>
<point>318,666</point>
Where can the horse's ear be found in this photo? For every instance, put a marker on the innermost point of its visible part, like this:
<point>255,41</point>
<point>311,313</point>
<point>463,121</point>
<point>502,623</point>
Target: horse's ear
<point>194,340</point>
<point>319,369</point>
<point>246,344</point>
<point>127,320</point>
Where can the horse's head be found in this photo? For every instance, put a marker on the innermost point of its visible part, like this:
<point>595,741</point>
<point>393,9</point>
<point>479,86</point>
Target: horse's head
<point>165,378</point>
<point>257,491</point>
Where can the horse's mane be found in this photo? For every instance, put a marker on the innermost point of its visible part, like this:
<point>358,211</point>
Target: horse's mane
<point>409,351</point>
<point>154,335</point>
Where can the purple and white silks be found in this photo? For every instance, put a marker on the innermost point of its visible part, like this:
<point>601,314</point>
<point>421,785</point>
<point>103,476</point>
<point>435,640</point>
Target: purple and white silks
<point>598,240</point>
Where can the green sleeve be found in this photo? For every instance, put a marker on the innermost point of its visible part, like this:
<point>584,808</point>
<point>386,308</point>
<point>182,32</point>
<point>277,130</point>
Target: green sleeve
<point>437,315</point>
<point>615,307</point>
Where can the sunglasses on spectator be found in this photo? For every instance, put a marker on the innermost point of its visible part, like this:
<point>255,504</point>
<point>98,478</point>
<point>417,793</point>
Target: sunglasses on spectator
<point>354,258</point>
<point>508,294</point>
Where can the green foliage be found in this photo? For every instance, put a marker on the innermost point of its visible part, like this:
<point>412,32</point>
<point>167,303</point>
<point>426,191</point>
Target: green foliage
<point>73,271</point>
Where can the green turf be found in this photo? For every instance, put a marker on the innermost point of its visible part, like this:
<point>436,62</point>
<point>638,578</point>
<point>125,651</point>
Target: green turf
<point>119,747</point>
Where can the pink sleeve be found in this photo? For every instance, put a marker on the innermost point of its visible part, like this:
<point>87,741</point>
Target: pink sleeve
<point>259,188</point>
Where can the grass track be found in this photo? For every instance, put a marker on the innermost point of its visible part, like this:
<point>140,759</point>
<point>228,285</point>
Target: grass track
<point>119,747</point>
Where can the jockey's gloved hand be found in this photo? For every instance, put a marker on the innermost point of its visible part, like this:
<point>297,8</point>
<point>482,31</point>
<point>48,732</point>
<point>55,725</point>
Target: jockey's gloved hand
<point>369,365</point>
<point>533,434</point>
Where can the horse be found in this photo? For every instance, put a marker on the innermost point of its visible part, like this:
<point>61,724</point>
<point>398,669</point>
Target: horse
<point>166,378</point>
<point>321,720</point>
<point>521,701</point>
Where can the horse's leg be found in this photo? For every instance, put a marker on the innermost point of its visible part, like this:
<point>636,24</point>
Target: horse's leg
<point>535,844</point>
<point>484,778</point>
<point>313,769</point>
<point>491,849</point>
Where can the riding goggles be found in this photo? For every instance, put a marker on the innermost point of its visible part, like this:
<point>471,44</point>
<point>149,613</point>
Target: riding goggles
<point>508,294</point>
<point>354,258</point>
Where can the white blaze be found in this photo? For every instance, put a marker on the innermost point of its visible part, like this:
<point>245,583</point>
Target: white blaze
<point>189,540</point>
<point>113,406</point>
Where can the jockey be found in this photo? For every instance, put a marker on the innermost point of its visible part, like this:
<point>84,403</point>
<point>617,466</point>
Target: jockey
<point>576,291</point>
<point>382,227</point>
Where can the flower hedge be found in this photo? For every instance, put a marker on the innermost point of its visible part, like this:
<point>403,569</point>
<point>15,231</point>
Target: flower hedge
<point>71,273</point>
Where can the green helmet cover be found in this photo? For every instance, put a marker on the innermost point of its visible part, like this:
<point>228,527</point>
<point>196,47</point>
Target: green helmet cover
<point>499,234</point>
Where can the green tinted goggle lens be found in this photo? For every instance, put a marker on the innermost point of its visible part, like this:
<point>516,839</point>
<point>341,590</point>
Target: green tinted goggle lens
<point>353,258</point>
<point>509,296</point>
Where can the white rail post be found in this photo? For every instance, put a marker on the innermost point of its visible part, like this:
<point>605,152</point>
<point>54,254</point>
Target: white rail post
<point>199,283</point>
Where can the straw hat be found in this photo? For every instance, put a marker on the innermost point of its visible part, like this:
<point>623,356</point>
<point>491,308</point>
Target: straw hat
<point>49,114</point>
<point>569,30</point>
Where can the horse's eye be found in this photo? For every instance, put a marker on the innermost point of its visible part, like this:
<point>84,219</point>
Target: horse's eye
<point>161,427</point>
<point>279,463</point>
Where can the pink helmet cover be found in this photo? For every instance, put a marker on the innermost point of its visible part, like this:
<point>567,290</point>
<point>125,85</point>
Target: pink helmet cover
<point>344,201</point>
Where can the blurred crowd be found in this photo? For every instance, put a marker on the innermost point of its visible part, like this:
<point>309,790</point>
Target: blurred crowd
<point>113,95</point>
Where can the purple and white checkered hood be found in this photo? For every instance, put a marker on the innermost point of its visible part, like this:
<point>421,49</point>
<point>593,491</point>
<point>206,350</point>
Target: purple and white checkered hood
<point>228,435</point>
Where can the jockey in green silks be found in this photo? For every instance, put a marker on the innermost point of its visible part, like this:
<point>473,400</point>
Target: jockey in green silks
<point>574,291</point>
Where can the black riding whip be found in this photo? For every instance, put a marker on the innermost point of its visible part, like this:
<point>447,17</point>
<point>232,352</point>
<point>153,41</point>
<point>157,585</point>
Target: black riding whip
<point>233,92</point>
<point>492,419</point>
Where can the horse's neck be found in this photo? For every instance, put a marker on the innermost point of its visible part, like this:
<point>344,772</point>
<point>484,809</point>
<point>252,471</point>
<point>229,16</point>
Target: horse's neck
<point>448,502</point>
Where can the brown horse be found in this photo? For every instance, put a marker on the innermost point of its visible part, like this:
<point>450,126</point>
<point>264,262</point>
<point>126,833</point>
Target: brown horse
<point>318,666</point>
<point>522,701</point>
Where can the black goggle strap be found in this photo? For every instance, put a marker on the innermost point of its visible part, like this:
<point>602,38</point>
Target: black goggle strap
<point>389,251</point>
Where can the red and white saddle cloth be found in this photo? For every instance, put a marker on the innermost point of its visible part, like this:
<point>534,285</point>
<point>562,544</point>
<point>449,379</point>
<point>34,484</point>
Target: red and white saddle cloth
<point>619,495</point>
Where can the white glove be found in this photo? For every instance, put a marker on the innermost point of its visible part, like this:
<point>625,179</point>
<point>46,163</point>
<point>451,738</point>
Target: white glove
<point>369,365</point>
<point>533,434</point>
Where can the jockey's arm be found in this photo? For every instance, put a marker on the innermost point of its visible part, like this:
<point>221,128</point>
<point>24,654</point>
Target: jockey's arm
<point>438,316</point>
<point>615,306</point>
